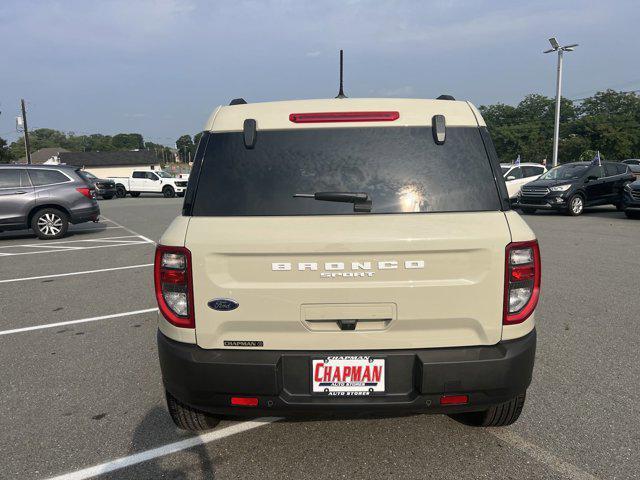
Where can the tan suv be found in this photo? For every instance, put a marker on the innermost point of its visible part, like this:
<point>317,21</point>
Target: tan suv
<point>347,255</point>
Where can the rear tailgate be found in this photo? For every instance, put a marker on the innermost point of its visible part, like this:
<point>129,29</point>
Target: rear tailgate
<point>419,281</point>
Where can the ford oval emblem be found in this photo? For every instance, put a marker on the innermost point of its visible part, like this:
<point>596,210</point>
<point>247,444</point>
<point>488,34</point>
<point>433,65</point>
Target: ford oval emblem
<point>223,304</point>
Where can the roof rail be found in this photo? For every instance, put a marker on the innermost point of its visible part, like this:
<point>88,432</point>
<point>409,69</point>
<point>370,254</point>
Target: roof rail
<point>238,101</point>
<point>445,97</point>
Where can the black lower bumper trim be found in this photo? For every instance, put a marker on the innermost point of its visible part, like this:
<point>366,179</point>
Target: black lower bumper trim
<point>415,379</point>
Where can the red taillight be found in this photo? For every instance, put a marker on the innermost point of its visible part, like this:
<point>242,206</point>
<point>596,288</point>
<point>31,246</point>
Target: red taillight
<point>521,281</point>
<point>327,117</point>
<point>244,401</point>
<point>87,192</point>
<point>454,399</point>
<point>173,283</point>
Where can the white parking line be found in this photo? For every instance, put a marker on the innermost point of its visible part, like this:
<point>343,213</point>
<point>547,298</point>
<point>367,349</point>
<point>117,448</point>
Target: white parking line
<point>565,469</point>
<point>40,277</point>
<point>73,322</point>
<point>129,230</point>
<point>75,249</point>
<point>89,243</point>
<point>165,450</point>
<point>55,243</point>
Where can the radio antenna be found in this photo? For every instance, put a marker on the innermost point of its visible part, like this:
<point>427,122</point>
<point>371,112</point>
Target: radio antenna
<point>341,92</point>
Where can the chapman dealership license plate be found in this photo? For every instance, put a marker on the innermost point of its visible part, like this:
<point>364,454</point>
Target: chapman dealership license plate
<point>344,375</point>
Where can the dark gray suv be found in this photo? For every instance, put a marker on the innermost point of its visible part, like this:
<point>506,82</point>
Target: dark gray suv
<point>45,198</point>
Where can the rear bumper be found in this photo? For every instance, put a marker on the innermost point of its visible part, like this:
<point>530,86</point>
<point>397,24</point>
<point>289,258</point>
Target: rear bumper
<point>105,191</point>
<point>85,214</point>
<point>415,379</point>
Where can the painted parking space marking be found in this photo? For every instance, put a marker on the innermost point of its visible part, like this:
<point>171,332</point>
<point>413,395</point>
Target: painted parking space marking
<point>76,245</point>
<point>73,322</point>
<point>565,469</point>
<point>129,230</point>
<point>165,450</point>
<point>84,272</point>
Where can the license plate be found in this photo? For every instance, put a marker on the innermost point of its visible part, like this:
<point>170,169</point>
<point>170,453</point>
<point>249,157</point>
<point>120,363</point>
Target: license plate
<point>345,375</point>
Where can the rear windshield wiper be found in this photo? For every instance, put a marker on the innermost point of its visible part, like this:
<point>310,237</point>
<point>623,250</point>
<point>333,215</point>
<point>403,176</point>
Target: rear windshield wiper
<point>361,201</point>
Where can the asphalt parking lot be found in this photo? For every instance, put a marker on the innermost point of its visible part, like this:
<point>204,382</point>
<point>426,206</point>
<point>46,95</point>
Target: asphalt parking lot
<point>81,395</point>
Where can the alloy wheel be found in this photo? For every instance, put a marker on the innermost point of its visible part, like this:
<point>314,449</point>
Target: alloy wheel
<point>50,224</point>
<point>577,205</point>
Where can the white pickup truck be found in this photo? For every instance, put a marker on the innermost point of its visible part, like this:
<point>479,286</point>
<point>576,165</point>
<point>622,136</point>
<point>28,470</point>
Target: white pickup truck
<point>150,181</point>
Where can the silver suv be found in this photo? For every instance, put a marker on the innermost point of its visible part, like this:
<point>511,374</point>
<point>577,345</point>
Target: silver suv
<point>45,198</point>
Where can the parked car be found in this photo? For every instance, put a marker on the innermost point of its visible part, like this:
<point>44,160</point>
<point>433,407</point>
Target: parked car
<point>105,188</point>
<point>631,199</point>
<point>321,265</point>
<point>150,181</point>
<point>634,166</point>
<point>515,176</point>
<point>573,186</point>
<point>45,198</point>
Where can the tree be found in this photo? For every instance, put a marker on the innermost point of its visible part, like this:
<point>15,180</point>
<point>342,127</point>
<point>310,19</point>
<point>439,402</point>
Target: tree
<point>609,122</point>
<point>186,148</point>
<point>5,153</point>
<point>127,141</point>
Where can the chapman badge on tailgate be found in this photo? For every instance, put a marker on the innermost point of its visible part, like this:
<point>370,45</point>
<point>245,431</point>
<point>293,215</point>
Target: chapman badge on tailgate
<point>342,270</point>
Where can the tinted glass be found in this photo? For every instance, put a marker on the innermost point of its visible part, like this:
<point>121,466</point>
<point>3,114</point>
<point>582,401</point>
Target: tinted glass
<point>622,168</point>
<point>163,174</point>
<point>151,176</point>
<point>87,176</point>
<point>47,177</point>
<point>138,175</point>
<point>566,172</point>
<point>597,171</point>
<point>516,173</point>
<point>400,168</point>
<point>13,178</point>
<point>504,169</point>
<point>531,171</point>
<point>610,169</point>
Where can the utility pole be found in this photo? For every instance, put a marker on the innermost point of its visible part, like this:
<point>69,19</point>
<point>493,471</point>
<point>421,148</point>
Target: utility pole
<point>26,131</point>
<point>555,47</point>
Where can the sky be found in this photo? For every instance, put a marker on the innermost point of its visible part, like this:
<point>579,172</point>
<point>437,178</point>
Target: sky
<point>160,67</point>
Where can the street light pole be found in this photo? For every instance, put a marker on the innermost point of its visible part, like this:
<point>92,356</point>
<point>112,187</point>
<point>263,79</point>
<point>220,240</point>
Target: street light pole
<point>556,126</point>
<point>555,47</point>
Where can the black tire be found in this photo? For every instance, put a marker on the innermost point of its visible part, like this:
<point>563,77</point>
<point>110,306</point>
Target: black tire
<point>168,192</point>
<point>181,194</point>
<point>529,211</point>
<point>134,194</point>
<point>107,197</point>
<point>632,214</point>
<point>499,415</point>
<point>619,207</point>
<point>188,418</point>
<point>575,205</point>
<point>50,223</point>
<point>121,192</point>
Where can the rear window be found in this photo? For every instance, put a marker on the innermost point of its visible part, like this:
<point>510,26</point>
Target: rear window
<point>400,168</point>
<point>47,177</point>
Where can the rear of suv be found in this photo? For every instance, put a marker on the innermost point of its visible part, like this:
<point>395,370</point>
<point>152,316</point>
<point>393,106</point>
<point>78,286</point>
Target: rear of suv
<point>45,198</point>
<point>330,258</point>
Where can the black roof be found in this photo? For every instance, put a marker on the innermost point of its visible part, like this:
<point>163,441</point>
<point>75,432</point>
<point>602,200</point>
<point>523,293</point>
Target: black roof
<point>108,159</point>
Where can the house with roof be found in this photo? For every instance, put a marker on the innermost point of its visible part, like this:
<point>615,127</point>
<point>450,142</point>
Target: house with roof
<point>44,155</point>
<point>113,163</point>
